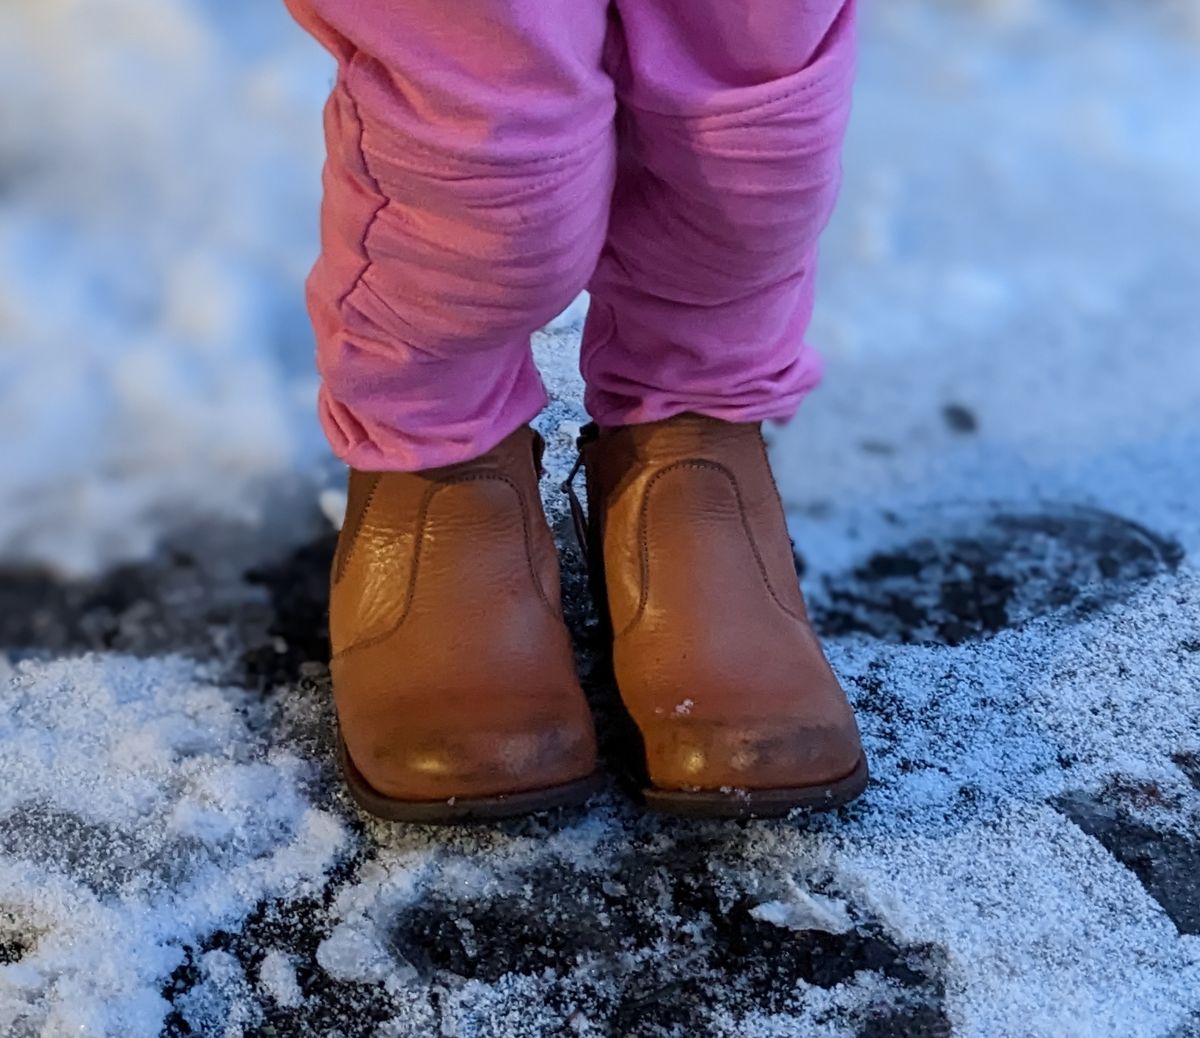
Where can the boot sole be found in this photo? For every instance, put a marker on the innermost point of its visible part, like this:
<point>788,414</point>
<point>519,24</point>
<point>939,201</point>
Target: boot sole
<point>758,803</point>
<point>464,810</point>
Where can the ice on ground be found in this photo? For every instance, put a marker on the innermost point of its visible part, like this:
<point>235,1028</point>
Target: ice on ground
<point>350,955</point>
<point>805,911</point>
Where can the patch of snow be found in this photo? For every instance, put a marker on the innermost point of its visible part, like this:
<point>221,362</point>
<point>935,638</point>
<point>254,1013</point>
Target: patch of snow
<point>158,195</point>
<point>333,507</point>
<point>278,976</point>
<point>181,816</point>
<point>572,318</point>
<point>805,911</point>
<point>355,955</point>
<point>836,1012</point>
<point>556,351</point>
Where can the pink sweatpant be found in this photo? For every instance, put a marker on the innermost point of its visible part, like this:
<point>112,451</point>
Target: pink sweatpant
<point>488,159</point>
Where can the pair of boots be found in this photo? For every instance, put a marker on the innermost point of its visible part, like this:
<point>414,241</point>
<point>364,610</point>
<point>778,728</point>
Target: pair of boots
<point>453,673</point>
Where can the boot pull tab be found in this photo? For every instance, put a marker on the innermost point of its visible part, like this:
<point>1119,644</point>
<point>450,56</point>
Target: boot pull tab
<point>587,434</point>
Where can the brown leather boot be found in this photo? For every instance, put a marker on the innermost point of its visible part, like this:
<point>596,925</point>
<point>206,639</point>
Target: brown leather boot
<point>737,710</point>
<point>453,673</point>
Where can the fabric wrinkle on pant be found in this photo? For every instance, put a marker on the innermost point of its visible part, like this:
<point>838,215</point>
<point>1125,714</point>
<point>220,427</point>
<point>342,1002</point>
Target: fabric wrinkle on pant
<point>488,159</point>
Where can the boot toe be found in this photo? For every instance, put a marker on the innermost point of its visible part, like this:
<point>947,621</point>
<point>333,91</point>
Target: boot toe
<point>733,755</point>
<point>445,764</point>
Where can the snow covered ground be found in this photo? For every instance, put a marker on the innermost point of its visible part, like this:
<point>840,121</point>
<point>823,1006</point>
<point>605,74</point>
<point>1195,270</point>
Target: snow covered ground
<point>995,498</point>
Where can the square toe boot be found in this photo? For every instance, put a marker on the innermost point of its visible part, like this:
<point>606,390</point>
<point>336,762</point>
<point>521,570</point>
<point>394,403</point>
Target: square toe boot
<point>735,710</point>
<point>453,673</point>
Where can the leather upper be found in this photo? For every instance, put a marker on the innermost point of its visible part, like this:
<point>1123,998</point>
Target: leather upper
<point>714,655</point>
<point>453,671</point>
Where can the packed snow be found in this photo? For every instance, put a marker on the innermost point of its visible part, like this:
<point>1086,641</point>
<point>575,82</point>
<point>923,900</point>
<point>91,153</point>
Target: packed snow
<point>994,497</point>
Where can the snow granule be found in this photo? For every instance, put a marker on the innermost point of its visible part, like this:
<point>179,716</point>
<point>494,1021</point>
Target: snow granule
<point>278,976</point>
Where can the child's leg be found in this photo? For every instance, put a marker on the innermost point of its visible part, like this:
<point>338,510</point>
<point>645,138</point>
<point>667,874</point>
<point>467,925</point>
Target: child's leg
<point>471,158</point>
<point>731,131</point>
<point>733,118</point>
<point>470,164</point>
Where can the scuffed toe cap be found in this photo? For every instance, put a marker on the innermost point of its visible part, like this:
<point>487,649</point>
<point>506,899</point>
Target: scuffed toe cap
<point>710,755</point>
<point>462,762</point>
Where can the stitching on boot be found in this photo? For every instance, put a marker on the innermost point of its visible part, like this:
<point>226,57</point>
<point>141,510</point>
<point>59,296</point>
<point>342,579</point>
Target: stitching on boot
<point>781,512</point>
<point>422,518</point>
<point>375,639</point>
<point>353,531</point>
<point>526,525</point>
<point>644,545</point>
